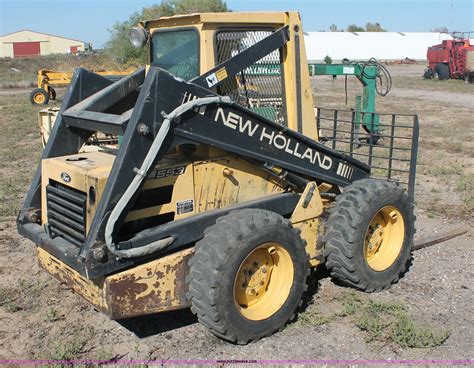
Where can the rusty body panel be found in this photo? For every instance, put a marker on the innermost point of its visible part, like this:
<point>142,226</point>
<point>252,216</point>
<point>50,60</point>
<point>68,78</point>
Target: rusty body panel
<point>153,287</point>
<point>306,218</point>
<point>92,291</point>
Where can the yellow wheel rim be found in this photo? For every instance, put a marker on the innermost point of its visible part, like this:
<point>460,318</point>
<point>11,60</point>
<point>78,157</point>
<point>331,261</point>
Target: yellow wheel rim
<point>39,98</point>
<point>384,238</point>
<point>263,281</point>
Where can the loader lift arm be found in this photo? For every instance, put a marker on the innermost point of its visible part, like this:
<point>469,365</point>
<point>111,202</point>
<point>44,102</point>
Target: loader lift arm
<point>229,126</point>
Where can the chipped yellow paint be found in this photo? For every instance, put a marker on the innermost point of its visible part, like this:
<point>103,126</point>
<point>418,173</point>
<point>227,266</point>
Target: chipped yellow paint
<point>306,219</point>
<point>153,287</point>
<point>91,291</point>
<point>230,180</point>
<point>309,233</point>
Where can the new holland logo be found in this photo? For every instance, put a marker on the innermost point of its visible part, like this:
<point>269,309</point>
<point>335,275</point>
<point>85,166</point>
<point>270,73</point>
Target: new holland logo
<point>344,170</point>
<point>273,138</point>
<point>65,177</point>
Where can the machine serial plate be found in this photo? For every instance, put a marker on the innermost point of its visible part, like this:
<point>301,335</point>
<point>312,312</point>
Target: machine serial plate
<point>183,207</point>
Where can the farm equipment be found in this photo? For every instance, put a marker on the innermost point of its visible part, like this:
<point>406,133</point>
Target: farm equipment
<point>218,195</point>
<point>374,78</point>
<point>47,79</point>
<point>452,59</point>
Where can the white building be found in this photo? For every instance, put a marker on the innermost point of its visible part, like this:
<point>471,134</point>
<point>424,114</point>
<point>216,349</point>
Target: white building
<point>364,45</point>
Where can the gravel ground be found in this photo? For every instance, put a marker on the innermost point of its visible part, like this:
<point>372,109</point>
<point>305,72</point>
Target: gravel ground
<point>40,320</point>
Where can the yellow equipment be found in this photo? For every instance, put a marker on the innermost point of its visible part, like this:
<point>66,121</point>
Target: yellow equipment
<point>47,79</point>
<point>217,196</point>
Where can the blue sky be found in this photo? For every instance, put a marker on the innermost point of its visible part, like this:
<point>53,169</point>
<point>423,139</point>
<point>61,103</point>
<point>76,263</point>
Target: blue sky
<point>89,20</point>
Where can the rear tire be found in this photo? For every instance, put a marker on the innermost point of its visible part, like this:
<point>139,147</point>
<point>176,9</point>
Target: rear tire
<point>443,71</point>
<point>369,235</point>
<point>248,275</point>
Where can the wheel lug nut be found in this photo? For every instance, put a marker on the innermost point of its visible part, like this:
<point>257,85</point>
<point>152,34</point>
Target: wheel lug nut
<point>264,269</point>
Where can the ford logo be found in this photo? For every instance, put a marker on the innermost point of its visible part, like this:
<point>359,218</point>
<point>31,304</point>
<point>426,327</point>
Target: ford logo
<point>65,176</point>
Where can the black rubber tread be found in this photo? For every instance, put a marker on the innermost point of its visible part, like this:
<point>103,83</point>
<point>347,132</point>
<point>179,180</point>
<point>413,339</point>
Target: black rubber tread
<point>346,228</point>
<point>443,71</point>
<point>43,92</point>
<point>428,73</point>
<point>52,94</point>
<point>216,260</point>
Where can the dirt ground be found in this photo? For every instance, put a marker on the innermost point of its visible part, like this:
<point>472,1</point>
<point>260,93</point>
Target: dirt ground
<point>432,305</point>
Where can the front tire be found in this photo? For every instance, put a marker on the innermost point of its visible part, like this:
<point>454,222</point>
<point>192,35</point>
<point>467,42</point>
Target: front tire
<point>248,275</point>
<point>369,235</point>
<point>39,97</point>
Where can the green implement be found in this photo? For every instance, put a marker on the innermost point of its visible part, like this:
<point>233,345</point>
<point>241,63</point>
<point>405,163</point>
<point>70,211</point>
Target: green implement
<point>375,79</point>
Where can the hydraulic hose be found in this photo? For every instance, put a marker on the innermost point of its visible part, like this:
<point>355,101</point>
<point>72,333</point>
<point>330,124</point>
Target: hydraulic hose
<point>141,174</point>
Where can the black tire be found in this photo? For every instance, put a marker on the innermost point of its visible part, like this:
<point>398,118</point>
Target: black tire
<point>428,74</point>
<point>443,71</point>
<point>347,228</point>
<point>52,94</point>
<point>216,263</point>
<point>39,97</point>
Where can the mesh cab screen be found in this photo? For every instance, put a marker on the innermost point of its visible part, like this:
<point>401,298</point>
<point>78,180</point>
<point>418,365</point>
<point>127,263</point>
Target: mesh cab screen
<point>258,87</point>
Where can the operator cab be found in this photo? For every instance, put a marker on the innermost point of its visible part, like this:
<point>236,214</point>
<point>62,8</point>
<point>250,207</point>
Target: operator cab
<point>276,87</point>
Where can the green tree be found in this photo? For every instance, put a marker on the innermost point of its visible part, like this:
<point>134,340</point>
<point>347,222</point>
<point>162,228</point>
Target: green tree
<point>328,59</point>
<point>374,27</point>
<point>354,28</point>
<point>118,46</point>
<point>333,28</point>
<point>369,27</point>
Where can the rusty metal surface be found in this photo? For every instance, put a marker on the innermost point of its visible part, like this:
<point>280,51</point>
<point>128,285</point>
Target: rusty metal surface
<point>89,290</point>
<point>154,287</point>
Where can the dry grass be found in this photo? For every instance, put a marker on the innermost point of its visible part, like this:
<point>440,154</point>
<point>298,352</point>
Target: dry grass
<point>446,149</point>
<point>21,73</point>
<point>20,149</point>
<point>419,83</point>
<point>386,322</point>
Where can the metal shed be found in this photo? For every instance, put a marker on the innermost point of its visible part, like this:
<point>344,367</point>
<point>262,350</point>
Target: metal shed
<point>26,43</point>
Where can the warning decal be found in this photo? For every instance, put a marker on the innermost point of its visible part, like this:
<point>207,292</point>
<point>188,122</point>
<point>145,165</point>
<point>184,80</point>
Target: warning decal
<point>216,77</point>
<point>221,74</point>
<point>211,80</point>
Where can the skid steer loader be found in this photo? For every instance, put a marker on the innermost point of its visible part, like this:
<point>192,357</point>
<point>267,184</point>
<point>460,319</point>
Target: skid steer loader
<point>221,195</point>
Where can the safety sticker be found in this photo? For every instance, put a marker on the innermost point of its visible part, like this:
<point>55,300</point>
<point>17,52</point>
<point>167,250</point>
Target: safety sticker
<point>216,77</point>
<point>212,80</point>
<point>183,207</point>
<point>221,74</point>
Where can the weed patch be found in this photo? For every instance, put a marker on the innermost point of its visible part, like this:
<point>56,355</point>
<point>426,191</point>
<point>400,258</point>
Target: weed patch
<point>313,318</point>
<point>392,322</point>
